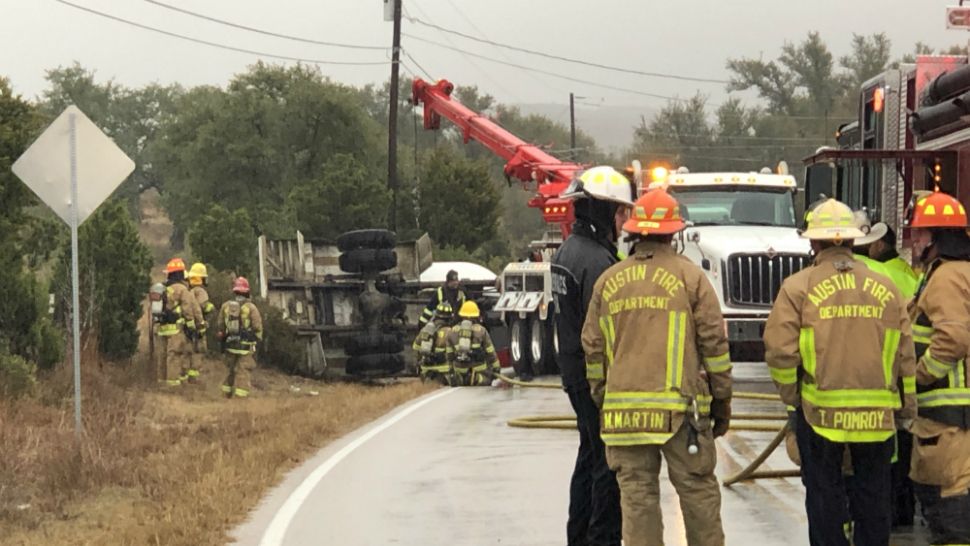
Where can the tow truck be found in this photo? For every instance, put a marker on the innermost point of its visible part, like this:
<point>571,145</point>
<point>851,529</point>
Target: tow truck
<point>745,237</point>
<point>742,231</point>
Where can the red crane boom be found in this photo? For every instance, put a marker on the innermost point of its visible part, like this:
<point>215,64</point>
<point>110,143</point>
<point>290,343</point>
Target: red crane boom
<point>524,161</point>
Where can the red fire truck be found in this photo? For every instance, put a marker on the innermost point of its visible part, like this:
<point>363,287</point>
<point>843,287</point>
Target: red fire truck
<point>912,133</point>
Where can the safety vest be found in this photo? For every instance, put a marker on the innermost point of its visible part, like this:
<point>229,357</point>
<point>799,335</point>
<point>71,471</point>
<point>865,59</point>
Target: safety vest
<point>947,400</point>
<point>436,303</point>
<point>903,276</point>
<point>237,323</point>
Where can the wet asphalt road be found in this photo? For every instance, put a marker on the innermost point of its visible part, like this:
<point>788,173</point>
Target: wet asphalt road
<point>446,470</point>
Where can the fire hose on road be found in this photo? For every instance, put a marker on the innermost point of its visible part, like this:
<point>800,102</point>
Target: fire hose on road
<point>750,472</point>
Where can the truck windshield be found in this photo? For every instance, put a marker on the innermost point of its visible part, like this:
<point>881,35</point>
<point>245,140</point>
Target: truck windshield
<point>706,206</point>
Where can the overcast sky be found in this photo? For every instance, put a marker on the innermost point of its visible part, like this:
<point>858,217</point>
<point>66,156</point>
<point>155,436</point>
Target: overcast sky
<point>669,36</point>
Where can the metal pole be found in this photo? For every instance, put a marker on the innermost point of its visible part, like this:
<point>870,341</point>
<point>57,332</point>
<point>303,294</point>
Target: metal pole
<point>392,115</point>
<point>75,305</point>
<point>572,126</point>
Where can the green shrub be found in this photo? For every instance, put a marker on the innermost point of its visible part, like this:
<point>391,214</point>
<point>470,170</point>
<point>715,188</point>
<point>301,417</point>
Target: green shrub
<point>281,348</point>
<point>48,344</point>
<point>18,376</point>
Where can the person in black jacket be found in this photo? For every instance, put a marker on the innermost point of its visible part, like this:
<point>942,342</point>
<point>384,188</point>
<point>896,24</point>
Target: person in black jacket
<point>602,200</point>
<point>451,293</point>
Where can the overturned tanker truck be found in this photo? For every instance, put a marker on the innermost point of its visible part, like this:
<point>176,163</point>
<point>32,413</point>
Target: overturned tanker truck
<point>356,301</point>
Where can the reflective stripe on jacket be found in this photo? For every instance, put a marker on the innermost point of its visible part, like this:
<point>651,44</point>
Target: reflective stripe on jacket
<point>202,298</point>
<point>436,336</point>
<point>941,331</point>
<point>436,300</point>
<point>654,325</point>
<point>250,328</point>
<point>838,342</point>
<point>180,304</point>
<point>479,354</point>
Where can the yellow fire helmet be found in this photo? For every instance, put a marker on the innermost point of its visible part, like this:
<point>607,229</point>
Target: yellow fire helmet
<point>469,309</point>
<point>198,270</point>
<point>832,221</point>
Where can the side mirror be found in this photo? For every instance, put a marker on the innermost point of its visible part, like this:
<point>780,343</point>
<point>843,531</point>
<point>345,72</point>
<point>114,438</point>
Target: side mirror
<point>819,179</point>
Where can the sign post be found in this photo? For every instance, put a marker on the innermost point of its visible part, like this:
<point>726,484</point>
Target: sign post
<point>72,155</point>
<point>75,299</point>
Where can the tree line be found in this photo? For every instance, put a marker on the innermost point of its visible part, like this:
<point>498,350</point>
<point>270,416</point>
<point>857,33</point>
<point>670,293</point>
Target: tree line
<point>284,148</point>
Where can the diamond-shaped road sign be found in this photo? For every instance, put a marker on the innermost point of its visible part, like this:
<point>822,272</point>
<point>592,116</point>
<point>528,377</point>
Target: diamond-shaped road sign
<point>73,167</point>
<point>46,166</point>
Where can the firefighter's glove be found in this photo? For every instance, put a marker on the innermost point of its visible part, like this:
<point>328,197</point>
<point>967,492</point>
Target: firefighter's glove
<point>721,415</point>
<point>792,420</point>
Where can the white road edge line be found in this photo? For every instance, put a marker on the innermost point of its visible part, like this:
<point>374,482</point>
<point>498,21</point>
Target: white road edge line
<point>275,532</point>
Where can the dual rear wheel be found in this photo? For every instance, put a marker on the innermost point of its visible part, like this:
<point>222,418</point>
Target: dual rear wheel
<point>533,345</point>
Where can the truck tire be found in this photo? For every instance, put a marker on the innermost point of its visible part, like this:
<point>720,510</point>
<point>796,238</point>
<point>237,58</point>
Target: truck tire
<point>373,239</point>
<point>519,346</point>
<point>541,347</point>
<point>367,260</point>
<point>373,365</point>
<point>373,343</point>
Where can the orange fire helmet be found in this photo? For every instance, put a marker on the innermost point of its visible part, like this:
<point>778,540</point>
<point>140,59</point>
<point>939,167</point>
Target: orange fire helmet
<point>175,265</point>
<point>936,210</point>
<point>655,213</point>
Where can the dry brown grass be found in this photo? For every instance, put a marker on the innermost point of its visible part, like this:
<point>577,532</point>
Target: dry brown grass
<point>160,468</point>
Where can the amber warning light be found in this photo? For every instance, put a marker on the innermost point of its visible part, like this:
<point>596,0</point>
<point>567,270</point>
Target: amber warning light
<point>878,99</point>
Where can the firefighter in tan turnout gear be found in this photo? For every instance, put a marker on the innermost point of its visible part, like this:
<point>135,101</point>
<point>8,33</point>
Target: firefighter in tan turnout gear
<point>469,349</point>
<point>240,328</point>
<point>659,369</point>
<point>941,330</point>
<point>198,276</point>
<point>839,348</point>
<point>178,326</point>
<point>431,346</point>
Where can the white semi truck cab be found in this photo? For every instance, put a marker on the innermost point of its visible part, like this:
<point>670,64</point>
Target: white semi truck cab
<point>743,233</point>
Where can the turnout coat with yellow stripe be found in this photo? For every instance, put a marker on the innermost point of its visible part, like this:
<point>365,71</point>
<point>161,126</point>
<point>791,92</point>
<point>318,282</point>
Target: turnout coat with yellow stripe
<point>838,343</point>
<point>655,346</point>
<point>941,330</point>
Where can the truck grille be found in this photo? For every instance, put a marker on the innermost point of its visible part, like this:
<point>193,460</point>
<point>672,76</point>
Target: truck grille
<point>754,279</point>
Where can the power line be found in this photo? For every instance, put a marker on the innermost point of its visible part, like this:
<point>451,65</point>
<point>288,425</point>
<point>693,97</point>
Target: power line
<point>216,44</point>
<point>497,83</point>
<point>417,64</point>
<point>540,71</point>
<point>567,59</point>
<point>481,34</point>
<point>265,32</point>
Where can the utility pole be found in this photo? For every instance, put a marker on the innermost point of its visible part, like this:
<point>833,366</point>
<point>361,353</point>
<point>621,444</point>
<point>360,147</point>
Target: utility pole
<point>572,126</point>
<point>392,115</point>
